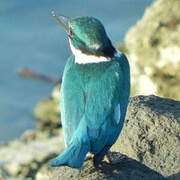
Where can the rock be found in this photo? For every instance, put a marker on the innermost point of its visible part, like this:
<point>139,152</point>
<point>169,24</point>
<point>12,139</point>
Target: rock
<point>151,134</point>
<point>153,48</point>
<point>150,140</point>
<point>128,169</point>
<point>22,160</point>
<point>28,135</point>
<point>47,113</point>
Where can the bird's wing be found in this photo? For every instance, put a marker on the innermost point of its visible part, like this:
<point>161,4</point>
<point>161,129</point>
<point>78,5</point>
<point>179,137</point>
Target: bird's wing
<point>107,100</point>
<point>101,104</point>
<point>71,101</point>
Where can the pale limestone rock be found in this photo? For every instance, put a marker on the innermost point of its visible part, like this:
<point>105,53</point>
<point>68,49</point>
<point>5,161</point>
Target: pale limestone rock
<point>153,48</point>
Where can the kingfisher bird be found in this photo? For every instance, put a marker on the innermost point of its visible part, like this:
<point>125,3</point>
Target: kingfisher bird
<point>94,92</point>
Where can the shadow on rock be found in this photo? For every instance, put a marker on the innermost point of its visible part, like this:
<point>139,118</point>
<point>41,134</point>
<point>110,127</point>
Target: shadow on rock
<point>125,169</point>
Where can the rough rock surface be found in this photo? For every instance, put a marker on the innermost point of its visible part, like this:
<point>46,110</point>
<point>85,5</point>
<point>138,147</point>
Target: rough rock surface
<point>153,47</point>
<point>127,169</point>
<point>151,133</point>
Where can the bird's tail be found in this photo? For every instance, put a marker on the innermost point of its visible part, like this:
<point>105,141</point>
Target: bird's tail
<point>75,153</point>
<point>73,156</point>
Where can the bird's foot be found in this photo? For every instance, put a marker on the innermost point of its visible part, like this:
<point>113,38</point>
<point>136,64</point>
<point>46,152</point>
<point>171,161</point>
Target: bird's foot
<point>115,157</point>
<point>89,156</point>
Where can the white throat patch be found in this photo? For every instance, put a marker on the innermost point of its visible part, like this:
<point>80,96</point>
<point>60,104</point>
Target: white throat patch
<point>82,58</point>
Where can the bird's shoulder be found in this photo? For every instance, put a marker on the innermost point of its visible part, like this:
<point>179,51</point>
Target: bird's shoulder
<point>69,74</point>
<point>123,68</point>
<point>69,63</point>
<point>121,58</point>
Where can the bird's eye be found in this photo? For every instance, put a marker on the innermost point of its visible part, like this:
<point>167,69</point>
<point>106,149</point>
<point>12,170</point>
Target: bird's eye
<point>70,32</point>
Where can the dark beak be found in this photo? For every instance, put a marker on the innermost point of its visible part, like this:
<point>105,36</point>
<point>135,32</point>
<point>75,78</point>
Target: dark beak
<point>63,21</point>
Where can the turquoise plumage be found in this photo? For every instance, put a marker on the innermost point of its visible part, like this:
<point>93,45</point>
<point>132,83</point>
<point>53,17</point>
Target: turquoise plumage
<point>94,99</point>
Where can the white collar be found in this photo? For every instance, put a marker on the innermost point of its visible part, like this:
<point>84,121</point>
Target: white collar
<point>82,58</point>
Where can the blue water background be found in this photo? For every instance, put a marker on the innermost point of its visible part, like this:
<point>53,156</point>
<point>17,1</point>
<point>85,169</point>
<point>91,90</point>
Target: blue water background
<point>30,37</point>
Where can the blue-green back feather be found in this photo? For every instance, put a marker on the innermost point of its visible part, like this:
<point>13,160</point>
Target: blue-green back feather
<point>94,92</point>
<point>94,99</point>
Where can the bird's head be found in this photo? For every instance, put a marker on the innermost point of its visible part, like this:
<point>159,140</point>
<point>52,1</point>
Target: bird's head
<point>88,38</point>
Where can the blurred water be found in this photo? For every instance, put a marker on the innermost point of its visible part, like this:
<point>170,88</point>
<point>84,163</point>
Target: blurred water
<point>29,37</point>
